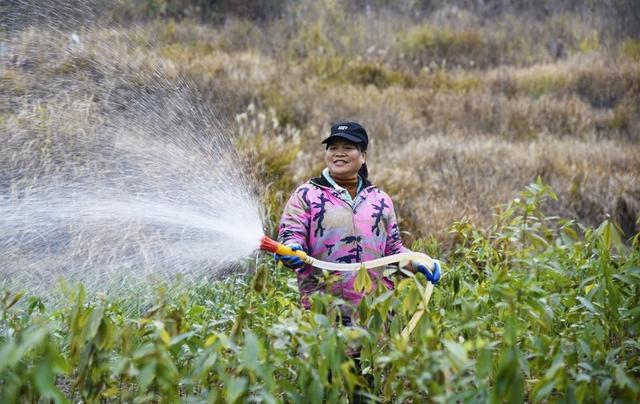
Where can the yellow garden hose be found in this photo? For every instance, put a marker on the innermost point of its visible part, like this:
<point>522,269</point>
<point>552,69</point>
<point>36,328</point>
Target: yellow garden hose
<point>270,245</point>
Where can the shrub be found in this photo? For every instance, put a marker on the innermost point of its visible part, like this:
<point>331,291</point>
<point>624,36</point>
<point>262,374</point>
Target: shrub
<point>536,85</point>
<point>625,118</point>
<point>10,83</point>
<point>630,48</point>
<point>590,42</point>
<point>443,80</point>
<point>425,45</point>
<point>326,67</point>
<point>361,73</point>
<point>604,88</point>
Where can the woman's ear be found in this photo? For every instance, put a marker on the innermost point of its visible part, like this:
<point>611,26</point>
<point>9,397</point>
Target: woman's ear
<point>364,157</point>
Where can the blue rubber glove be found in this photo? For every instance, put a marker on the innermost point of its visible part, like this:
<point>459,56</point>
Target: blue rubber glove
<point>431,277</point>
<point>291,261</point>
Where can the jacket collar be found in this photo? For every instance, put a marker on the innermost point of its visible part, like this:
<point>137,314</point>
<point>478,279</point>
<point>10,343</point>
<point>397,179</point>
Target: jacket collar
<point>322,182</point>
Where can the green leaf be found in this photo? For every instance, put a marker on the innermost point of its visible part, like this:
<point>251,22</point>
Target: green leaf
<point>509,383</point>
<point>91,327</point>
<point>179,338</point>
<point>267,398</point>
<point>147,374</point>
<point>624,381</point>
<point>383,302</point>
<point>603,388</point>
<point>252,352</point>
<point>411,300</point>
<point>628,279</point>
<point>7,350</point>
<point>363,280</point>
<point>164,336</point>
<point>588,305</point>
<point>456,284</point>
<point>510,334</point>
<point>364,311</point>
<point>235,389</point>
<point>483,362</point>
<point>457,354</point>
<point>104,335</point>
<point>32,338</point>
<point>314,390</point>
<point>196,310</point>
<point>598,332</point>
<point>537,240</point>
<point>15,300</point>
<point>610,236</point>
<point>633,314</point>
<point>350,377</point>
<point>543,388</point>
<point>144,350</point>
<point>44,381</point>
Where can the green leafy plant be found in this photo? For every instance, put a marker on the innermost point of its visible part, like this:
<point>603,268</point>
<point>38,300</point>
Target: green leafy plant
<point>534,308</point>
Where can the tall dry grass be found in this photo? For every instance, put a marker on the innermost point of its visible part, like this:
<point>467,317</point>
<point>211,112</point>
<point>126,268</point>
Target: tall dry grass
<point>462,114</point>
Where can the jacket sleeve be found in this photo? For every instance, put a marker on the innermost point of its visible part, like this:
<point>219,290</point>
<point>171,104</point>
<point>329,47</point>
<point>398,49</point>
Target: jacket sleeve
<point>394,241</point>
<point>295,221</point>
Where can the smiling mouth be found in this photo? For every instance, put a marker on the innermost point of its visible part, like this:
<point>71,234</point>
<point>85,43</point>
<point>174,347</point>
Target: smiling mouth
<point>340,161</point>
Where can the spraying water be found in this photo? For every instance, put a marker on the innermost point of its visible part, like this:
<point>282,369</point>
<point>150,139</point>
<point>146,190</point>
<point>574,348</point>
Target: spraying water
<point>110,172</point>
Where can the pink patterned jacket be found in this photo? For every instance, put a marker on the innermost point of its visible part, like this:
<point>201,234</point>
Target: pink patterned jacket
<point>330,229</point>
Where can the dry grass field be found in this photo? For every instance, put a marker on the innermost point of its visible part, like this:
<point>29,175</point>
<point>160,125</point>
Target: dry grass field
<point>464,108</point>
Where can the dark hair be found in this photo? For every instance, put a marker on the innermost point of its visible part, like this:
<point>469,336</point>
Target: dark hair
<point>364,173</point>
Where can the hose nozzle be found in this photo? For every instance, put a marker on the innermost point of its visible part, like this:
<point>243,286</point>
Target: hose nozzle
<point>267,244</point>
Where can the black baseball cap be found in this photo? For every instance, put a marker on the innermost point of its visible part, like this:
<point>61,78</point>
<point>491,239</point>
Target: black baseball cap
<point>351,131</point>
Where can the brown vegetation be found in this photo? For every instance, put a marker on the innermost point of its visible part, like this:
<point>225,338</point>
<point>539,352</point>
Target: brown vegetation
<point>462,111</point>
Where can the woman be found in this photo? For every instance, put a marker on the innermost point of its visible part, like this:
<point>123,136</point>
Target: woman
<point>341,217</point>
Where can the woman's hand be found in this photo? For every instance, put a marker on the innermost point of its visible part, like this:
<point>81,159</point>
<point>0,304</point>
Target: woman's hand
<point>291,261</point>
<point>433,277</point>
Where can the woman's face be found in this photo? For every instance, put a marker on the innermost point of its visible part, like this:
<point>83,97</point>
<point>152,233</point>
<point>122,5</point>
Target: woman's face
<point>344,158</point>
